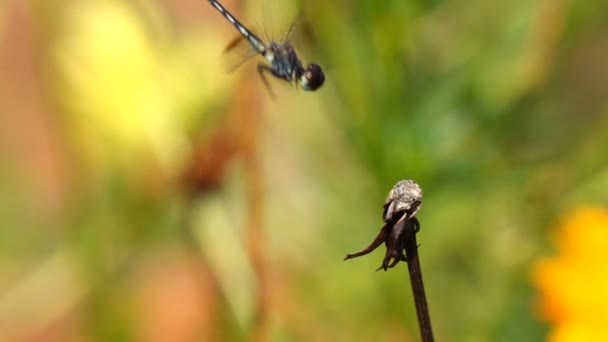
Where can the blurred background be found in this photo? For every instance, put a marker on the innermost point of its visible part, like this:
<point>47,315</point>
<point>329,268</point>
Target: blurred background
<point>148,195</point>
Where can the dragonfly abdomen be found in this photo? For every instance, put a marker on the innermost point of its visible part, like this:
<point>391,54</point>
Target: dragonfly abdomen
<point>251,38</point>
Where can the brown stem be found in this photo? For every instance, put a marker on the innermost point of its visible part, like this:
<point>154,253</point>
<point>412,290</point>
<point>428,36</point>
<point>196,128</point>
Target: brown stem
<point>413,265</point>
<point>201,271</point>
<point>249,114</point>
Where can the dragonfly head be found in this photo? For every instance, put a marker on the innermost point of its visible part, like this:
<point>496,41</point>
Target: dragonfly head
<point>312,78</point>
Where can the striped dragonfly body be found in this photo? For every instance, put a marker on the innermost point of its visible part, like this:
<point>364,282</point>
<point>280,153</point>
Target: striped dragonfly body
<point>282,59</point>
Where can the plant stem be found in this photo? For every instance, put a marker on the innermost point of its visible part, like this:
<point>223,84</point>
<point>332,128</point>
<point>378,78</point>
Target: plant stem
<point>413,265</point>
<point>249,112</point>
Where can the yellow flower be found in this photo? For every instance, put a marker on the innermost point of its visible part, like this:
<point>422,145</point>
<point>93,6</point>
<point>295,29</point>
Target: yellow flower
<point>128,89</point>
<point>574,284</point>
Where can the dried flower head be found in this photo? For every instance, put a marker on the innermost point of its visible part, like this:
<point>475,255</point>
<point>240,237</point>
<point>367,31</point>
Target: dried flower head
<point>403,202</point>
<point>405,196</point>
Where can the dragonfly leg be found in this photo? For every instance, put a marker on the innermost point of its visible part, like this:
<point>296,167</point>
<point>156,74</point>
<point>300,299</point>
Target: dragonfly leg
<point>261,70</point>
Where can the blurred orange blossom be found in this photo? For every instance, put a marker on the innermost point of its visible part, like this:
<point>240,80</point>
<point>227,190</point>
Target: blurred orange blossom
<point>573,285</point>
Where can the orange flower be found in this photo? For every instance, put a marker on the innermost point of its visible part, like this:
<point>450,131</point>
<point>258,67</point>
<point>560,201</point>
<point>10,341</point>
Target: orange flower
<point>573,285</point>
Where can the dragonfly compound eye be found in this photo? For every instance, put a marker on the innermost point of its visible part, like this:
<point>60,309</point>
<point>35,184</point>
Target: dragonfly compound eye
<point>313,77</point>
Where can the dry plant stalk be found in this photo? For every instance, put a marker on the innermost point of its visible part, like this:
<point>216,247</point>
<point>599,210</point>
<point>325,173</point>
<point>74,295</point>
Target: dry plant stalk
<point>399,235</point>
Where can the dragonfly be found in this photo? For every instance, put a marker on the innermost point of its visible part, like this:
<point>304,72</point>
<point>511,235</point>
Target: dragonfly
<point>281,57</point>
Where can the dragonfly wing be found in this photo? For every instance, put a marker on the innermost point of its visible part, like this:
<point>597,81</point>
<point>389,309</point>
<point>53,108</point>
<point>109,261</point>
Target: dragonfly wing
<point>287,34</point>
<point>237,52</point>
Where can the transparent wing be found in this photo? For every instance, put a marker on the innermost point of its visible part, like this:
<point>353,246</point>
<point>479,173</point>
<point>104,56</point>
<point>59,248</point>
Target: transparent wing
<point>299,33</point>
<point>302,31</point>
<point>237,52</point>
<point>288,33</point>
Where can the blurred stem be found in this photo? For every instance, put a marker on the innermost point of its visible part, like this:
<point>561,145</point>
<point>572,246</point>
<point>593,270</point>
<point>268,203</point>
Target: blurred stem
<point>539,55</point>
<point>201,270</point>
<point>249,111</point>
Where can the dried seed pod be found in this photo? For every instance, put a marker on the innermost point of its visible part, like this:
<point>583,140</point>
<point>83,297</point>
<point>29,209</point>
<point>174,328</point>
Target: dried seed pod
<point>403,202</point>
<point>405,196</point>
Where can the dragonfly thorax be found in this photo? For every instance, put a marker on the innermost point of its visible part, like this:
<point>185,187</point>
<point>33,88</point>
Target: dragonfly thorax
<point>284,61</point>
<point>286,65</point>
